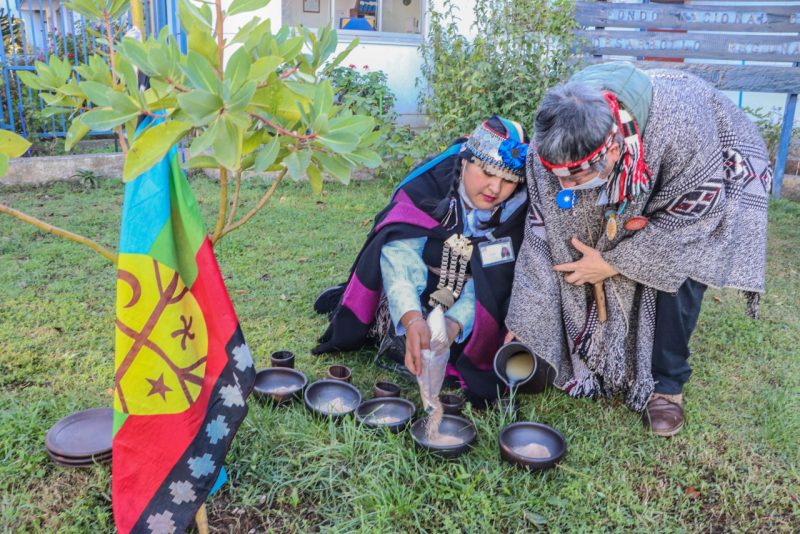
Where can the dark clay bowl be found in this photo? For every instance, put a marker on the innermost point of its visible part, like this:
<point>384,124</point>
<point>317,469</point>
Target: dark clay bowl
<point>273,378</point>
<point>385,389</point>
<point>397,408</point>
<point>452,404</point>
<point>452,425</point>
<point>321,392</point>
<point>520,434</point>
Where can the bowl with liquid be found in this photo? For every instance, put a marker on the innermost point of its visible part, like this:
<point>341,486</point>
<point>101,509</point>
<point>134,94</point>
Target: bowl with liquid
<point>532,445</point>
<point>332,398</point>
<point>281,384</point>
<point>514,364</point>
<point>455,437</point>
<point>393,413</point>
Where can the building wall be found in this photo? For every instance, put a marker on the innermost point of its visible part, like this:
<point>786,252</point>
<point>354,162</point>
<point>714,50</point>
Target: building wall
<point>400,59</point>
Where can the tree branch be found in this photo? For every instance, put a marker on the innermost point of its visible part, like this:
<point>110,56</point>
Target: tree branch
<point>123,145</point>
<point>235,201</point>
<point>220,37</point>
<point>282,131</point>
<point>49,228</point>
<point>231,227</point>
<point>223,204</point>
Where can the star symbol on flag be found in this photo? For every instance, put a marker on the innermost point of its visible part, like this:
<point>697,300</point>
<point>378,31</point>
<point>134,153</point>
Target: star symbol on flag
<point>159,387</point>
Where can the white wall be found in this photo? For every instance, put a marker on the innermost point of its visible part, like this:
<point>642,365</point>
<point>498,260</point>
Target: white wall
<point>401,63</point>
<point>401,60</point>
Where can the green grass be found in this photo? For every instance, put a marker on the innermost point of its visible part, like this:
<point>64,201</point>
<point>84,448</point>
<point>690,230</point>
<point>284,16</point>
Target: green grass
<point>735,467</point>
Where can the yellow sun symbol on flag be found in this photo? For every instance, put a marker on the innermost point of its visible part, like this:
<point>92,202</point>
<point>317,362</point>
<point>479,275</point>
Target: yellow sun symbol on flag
<point>161,339</point>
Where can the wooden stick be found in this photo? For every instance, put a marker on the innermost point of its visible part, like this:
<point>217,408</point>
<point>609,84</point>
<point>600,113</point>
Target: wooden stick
<point>600,299</point>
<point>60,232</point>
<point>201,518</point>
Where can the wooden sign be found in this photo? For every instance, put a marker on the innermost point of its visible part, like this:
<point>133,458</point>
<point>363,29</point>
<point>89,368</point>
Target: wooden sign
<point>693,45</point>
<point>753,18</point>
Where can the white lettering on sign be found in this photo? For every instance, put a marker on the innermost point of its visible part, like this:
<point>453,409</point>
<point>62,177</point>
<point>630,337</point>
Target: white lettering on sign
<point>672,45</point>
<point>784,49</point>
<point>704,17</point>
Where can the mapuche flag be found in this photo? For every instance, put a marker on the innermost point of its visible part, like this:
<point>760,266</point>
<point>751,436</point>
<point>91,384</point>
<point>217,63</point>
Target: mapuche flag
<point>183,370</point>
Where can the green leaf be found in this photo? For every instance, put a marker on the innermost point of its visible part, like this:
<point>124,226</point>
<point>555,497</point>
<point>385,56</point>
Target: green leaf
<point>314,178</point>
<point>297,163</point>
<point>106,119</point>
<point>87,8</point>
<point>77,130</point>
<point>200,105</point>
<point>323,99</point>
<point>192,17</point>
<point>3,164</point>
<point>366,157</point>
<point>266,157</point>
<point>72,89</point>
<point>241,99</point>
<point>333,165</point>
<point>12,145</point>
<point>341,141</point>
<point>291,47</point>
<point>136,52</point>
<point>204,44</point>
<point>203,161</point>
<point>200,73</point>
<point>357,124</point>
<point>245,31</point>
<point>122,103</point>
<point>151,145</point>
<point>51,111</point>
<point>227,144</point>
<point>31,80</point>
<point>264,66</point>
<point>238,69</point>
<point>242,6</point>
<point>343,54</point>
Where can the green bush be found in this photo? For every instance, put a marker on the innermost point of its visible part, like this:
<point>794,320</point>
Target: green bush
<point>770,123</point>
<point>367,92</point>
<point>521,48</point>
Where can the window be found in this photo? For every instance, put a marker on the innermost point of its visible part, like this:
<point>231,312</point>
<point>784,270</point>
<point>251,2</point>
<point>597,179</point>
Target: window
<point>363,16</point>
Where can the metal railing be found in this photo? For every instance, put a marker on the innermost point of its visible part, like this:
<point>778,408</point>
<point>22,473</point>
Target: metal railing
<point>36,30</point>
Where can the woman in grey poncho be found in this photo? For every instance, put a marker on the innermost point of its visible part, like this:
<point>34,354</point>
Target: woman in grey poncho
<point>649,186</point>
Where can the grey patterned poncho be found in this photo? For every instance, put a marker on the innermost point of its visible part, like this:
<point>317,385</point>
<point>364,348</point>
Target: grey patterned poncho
<point>707,211</point>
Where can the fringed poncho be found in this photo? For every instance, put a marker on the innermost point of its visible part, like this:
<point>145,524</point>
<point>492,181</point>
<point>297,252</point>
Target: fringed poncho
<point>707,220</point>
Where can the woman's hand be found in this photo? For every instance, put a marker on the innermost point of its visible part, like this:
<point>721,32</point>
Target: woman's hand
<point>418,338</point>
<point>453,330</point>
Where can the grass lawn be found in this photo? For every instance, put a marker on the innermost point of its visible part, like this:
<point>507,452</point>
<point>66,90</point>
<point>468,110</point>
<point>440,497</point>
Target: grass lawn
<point>735,466</point>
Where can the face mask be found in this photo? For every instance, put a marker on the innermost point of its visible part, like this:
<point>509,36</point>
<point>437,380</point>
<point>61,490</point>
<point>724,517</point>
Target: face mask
<point>591,184</point>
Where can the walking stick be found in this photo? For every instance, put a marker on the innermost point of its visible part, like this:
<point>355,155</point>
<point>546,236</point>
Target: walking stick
<point>600,299</point>
<point>201,518</point>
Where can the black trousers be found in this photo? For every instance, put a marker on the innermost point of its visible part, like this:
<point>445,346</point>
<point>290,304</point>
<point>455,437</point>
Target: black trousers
<point>676,318</point>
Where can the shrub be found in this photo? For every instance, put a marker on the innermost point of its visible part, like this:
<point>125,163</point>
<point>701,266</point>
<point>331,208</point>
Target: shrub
<point>521,48</point>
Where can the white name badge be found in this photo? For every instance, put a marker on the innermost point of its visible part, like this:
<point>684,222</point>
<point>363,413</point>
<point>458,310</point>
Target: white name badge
<point>496,252</point>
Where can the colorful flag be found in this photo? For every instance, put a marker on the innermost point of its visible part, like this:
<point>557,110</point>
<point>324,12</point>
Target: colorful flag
<point>183,370</point>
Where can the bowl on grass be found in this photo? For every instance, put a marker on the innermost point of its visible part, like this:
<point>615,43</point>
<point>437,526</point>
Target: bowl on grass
<point>532,445</point>
<point>281,384</point>
<point>456,436</point>
<point>393,413</point>
<point>332,398</point>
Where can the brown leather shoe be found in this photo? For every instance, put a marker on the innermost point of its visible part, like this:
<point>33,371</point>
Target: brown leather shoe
<point>663,416</point>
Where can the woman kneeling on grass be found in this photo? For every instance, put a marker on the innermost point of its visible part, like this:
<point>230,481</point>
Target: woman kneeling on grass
<point>449,237</point>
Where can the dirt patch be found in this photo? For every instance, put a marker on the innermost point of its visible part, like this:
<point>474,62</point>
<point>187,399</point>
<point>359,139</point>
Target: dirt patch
<point>791,187</point>
<point>225,516</point>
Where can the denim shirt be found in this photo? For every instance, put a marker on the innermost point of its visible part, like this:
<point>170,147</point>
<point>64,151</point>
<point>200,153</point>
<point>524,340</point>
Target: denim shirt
<point>405,274</point>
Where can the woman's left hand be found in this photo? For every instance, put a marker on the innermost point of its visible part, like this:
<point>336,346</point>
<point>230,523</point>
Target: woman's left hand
<point>453,329</point>
<point>591,268</point>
